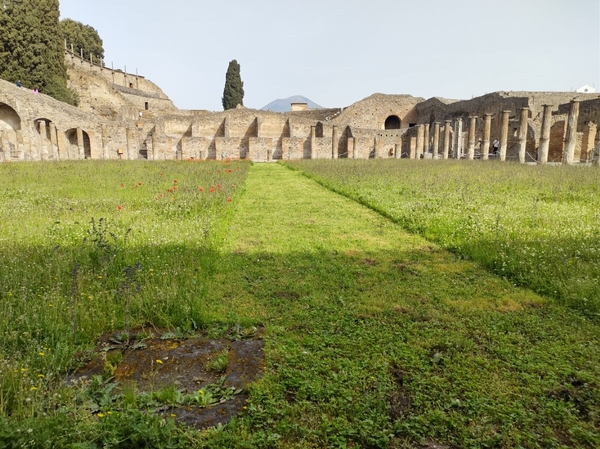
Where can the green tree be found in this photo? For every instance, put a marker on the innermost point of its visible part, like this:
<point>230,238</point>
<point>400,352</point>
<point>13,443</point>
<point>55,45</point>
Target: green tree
<point>233,94</point>
<point>84,37</point>
<point>32,47</point>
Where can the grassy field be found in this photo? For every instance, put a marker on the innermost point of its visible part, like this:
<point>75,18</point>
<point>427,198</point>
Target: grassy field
<point>375,337</point>
<point>537,226</point>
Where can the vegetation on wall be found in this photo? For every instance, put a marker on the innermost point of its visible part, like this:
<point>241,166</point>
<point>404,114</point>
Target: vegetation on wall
<point>82,37</point>
<point>31,47</point>
<point>233,94</point>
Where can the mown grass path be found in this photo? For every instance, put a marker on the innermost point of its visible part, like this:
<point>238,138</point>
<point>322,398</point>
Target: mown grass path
<point>378,338</point>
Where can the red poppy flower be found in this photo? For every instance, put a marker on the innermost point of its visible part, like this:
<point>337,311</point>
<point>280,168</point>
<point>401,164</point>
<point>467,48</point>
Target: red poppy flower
<point>119,207</point>
<point>229,200</point>
<point>200,189</point>
<point>174,181</point>
<point>139,183</point>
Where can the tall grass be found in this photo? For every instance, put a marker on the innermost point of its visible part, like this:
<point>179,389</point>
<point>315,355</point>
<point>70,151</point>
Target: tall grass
<point>88,247</point>
<point>537,226</point>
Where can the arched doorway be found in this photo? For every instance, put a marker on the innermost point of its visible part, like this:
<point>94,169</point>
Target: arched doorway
<point>10,123</point>
<point>392,122</point>
<point>73,145</point>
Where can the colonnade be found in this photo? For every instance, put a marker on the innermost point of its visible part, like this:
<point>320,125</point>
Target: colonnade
<point>452,137</point>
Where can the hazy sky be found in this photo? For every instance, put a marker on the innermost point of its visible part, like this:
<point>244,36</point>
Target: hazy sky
<point>337,52</point>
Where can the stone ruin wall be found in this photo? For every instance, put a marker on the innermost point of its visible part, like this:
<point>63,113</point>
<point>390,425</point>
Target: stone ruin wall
<point>36,127</point>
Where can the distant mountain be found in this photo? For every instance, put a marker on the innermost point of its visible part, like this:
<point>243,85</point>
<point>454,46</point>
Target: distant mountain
<point>284,105</point>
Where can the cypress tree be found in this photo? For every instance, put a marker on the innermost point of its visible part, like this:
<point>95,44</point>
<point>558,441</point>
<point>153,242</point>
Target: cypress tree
<point>82,37</point>
<point>32,47</point>
<point>233,94</point>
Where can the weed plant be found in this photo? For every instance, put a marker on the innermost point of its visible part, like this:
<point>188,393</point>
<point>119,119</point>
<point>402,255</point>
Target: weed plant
<point>539,226</point>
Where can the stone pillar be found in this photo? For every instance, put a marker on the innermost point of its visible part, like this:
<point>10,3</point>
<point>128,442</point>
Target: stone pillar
<point>43,140</point>
<point>542,156</point>
<point>335,142</point>
<point>80,147</point>
<point>352,142</point>
<point>487,131</point>
<point>269,155</point>
<point>63,148</point>
<point>504,134</point>
<point>397,151</point>
<point>447,125</point>
<point>426,138</point>
<point>571,138</point>
<point>458,138</point>
<point>53,142</point>
<point>105,151</point>
<point>587,143</point>
<point>420,138</point>
<point>377,147</point>
<point>522,134</point>
<point>471,142</point>
<point>412,148</point>
<point>436,139</point>
<point>313,142</point>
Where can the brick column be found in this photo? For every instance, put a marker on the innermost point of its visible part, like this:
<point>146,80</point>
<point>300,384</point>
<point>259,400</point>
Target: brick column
<point>53,141</point>
<point>313,142</point>
<point>458,138</point>
<point>522,134</point>
<point>471,142</point>
<point>504,134</point>
<point>426,138</point>
<point>335,142</point>
<point>447,138</point>
<point>420,138</point>
<point>80,148</point>
<point>487,131</point>
<point>436,139</point>
<point>542,157</point>
<point>571,138</point>
<point>377,147</point>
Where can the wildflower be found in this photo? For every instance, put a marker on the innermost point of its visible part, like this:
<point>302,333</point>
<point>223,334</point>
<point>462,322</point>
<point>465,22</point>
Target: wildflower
<point>229,200</point>
<point>174,189</point>
<point>155,197</point>
<point>200,391</point>
<point>122,185</point>
<point>173,415</point>
<point>139,183</point>
<point>41,376</point>
<point>200,189</point>
<point>174,181</point>
<point>159,361</point>
<point>41,354</point>
<point>109,413</point>
<point>33,388</point>
<point>233,186</point>
<point>100,415</point>
<point>119,207</point>
<point>162,194</point>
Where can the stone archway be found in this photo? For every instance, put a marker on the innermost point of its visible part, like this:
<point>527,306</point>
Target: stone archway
<point>392,122</point>
<point>73,145</point>
<point>10,123</point>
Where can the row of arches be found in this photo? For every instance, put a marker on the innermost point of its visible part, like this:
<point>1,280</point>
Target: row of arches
<point>40,141</point>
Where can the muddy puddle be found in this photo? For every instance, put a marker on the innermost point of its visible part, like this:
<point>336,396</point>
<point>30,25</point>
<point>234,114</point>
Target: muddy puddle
<point>154,362</point>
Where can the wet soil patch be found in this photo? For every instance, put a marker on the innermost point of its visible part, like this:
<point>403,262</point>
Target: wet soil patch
<point>154,363</point>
